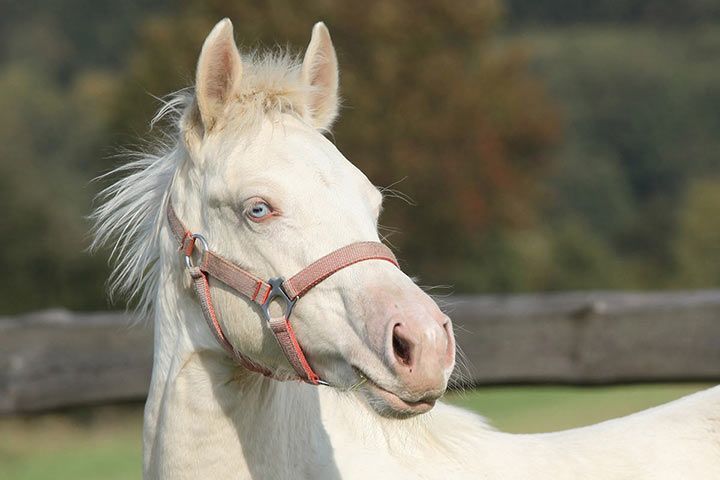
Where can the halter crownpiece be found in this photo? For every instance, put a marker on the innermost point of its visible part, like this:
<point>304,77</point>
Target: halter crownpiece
<point>264,293</point>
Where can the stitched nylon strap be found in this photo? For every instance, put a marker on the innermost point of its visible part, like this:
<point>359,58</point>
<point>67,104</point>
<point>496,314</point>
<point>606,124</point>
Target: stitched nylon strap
<point>235,277</point>
<point>227,272</point>
<point>258,291</point>
<point>202,290</point>
<point>299,284</point>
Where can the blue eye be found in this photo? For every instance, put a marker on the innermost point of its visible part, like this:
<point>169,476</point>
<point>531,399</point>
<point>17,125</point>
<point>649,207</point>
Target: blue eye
<point>260,210</point>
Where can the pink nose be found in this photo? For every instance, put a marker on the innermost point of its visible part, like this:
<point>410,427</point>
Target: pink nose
<point>422,351</point>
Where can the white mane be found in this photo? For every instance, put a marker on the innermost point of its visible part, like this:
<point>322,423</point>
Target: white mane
<point>131,210</point>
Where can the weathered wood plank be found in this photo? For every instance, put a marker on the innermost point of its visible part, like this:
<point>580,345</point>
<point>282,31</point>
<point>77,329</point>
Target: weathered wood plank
<point>594,337</point>
<point>54,359</point>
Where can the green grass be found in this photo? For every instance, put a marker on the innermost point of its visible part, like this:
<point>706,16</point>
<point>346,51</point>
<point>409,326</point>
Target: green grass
<point>103,443</point>
<point>545,409</point>
<point>98,443</point>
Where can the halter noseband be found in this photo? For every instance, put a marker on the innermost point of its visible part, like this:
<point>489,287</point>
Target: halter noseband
<point>264,293</point>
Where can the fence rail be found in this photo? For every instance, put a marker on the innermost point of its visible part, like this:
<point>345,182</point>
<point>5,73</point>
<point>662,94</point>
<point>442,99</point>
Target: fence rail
<point>56,358</point>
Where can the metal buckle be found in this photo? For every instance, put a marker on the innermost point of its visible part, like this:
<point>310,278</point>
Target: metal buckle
<point>277,291</point>
<point>203,244</point>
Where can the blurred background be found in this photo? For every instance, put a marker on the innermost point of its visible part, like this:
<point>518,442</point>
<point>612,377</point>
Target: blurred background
<point>527,146</point>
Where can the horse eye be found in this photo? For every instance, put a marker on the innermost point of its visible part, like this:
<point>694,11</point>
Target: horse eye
<point>260,210</point>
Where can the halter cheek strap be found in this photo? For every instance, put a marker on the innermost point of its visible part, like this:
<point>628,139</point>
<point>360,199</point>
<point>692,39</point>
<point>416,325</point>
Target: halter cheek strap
<point>264,293</point>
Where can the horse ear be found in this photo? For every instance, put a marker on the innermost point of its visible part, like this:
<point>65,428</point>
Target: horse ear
<point>320,73</point>
<point>219,71</point>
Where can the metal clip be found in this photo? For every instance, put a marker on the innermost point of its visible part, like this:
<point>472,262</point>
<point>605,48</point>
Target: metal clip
<point>203,244</point>
<point>277,292</point>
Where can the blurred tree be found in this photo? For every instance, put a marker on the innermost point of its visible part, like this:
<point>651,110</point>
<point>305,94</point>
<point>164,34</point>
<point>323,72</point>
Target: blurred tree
<point>46,136</point>
<point>642,113</point>
<point>432,104</point>
<point>438,97</point>
<point>698,240</point>
<point>56,89</point>
<point>664,12</point>
<point>65,36</point>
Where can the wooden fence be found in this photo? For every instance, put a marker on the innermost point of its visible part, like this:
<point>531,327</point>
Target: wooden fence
<point>55,358</point>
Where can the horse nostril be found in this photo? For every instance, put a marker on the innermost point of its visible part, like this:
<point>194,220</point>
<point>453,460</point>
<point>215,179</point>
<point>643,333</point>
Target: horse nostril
<point>401,346</point>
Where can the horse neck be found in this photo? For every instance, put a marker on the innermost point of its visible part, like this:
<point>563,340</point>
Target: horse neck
<point>208,418</point>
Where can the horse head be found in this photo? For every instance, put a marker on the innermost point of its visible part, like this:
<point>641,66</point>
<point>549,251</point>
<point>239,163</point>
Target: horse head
<point>271,193</point>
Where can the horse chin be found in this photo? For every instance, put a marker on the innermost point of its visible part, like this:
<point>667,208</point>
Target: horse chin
<point>389,405</point>
<point>392,405</point>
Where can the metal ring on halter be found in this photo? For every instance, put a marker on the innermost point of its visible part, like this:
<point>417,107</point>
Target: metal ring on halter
<point>203,244</point>
<point>277,291</point>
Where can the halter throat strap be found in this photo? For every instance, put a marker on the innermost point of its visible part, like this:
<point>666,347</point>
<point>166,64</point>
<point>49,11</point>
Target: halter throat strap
<point>263,293</point>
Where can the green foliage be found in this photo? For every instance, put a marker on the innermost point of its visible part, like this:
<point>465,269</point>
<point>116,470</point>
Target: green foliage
<point>668,13</point>
<point>697,243</point>
<point>43,190</point>
<point>641,108</point>
<point>439,103</point>
<point>432,102</point>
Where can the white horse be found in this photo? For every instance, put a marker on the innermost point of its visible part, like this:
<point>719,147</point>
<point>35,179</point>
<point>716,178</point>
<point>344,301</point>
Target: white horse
<point>249,168</point>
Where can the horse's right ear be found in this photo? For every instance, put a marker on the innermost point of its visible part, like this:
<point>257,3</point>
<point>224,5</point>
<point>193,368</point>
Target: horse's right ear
<point>218,74</point>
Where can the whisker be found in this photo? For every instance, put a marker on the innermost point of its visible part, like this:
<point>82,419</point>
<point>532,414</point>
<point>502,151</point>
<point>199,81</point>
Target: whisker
<point>390,192</point>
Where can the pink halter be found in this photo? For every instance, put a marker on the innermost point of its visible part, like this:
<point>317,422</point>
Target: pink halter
<point>264,293</point>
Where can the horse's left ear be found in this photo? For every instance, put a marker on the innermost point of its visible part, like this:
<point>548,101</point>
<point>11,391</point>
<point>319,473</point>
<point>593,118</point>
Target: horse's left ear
<point>320,74</point>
